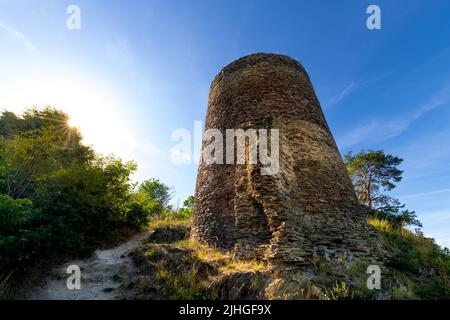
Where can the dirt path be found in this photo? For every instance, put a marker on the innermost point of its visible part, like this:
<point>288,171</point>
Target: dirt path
<point>101,275</point>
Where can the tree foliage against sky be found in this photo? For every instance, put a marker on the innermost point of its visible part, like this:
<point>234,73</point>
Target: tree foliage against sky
<point>374,174</point>
<point>155,189</point>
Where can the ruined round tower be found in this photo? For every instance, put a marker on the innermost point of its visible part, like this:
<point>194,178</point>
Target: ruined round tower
<point>307,206</point>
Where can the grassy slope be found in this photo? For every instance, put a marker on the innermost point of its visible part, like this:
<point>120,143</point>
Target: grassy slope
<point>420,268</point>
<point>183,269</point>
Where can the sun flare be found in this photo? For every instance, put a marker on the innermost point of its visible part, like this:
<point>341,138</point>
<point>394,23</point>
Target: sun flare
<point>92,108</point>
<point>73,123</point>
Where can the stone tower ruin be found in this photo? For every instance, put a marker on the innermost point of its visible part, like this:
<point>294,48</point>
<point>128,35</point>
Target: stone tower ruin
<point>308,206</point>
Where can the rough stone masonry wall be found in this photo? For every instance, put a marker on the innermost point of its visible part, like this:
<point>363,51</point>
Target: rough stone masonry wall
<point>309,207</point>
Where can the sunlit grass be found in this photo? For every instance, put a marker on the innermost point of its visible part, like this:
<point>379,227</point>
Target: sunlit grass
<point>168,222</point>
<point>203,266</point>
<point>224,260</point>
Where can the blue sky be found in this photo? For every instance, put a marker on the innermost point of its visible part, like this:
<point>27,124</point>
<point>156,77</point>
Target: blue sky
<point>138,70</point>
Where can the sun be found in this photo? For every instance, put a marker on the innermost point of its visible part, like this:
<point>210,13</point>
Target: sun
<point>73,123</point>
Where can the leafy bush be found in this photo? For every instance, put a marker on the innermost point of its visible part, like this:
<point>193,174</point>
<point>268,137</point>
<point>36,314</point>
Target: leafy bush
<point>141,208</point>
<point>185,213</point>
<point>22,235</point>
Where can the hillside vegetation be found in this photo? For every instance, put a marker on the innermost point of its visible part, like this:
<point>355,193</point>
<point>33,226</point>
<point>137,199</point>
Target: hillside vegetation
<point>419,268</point>
<point>59,198</point>
<point>173,267</point>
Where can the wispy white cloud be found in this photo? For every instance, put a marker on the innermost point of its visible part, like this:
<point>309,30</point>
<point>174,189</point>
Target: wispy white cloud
<point>381,130</point>
<point>425,157</point>
<point>352,87</point>
<point>342,94</point>
<point>425,194</point>
<point>436,217</point>
<point>442,54</point>
<point>358,134</point>
<point>18,35</point>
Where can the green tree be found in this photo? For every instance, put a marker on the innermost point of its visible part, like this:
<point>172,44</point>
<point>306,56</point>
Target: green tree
<point>156,190</point>
<point>186,211</point>
<point>141,209</point>
<point>374,173</point>
<point>9,123</point>
<point>189,202</point>
<point>34,145</point>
